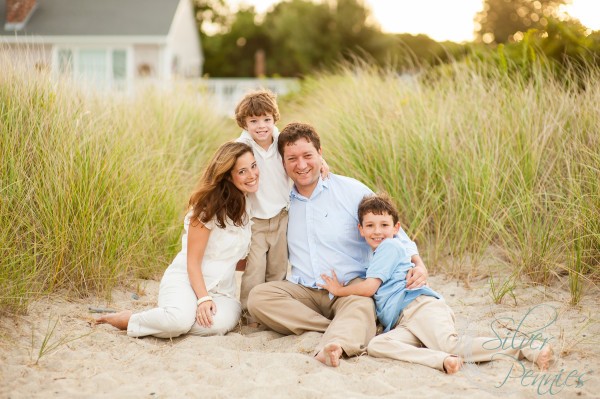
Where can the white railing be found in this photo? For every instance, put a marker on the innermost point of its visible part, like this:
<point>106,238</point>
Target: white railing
<point>227,92</point>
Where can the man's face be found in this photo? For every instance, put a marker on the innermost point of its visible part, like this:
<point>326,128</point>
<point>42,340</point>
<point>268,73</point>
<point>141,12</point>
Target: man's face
<point>302,163</point>
<point>261,129</point>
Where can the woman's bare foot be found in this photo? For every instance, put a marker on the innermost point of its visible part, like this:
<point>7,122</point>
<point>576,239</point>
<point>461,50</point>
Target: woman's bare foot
<point>544,358</point>
<point>452,364</point>
<point>330,354</point>
<point>119,320</point>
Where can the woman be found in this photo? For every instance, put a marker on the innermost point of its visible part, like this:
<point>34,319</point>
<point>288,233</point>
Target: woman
<point>197,291</point>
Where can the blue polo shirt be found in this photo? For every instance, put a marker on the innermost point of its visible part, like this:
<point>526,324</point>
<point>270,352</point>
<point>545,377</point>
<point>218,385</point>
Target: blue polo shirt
<point>323,232</point>
<point>390,263</point>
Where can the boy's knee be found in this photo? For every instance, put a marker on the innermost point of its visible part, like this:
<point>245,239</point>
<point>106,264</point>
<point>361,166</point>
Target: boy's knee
<point>452,344</point>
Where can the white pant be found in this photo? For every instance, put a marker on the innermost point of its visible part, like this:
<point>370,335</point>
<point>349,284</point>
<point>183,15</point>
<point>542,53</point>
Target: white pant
<point>176,311</point>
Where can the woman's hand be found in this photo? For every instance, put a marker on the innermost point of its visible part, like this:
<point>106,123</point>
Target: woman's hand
<point>331,283</point>
<point>205,312</point>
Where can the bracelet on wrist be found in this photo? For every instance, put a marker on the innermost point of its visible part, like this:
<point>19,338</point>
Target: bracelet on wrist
<point>204,299</point>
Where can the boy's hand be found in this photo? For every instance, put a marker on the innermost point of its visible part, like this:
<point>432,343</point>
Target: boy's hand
<point>331,283</point>
<point>324,169</point>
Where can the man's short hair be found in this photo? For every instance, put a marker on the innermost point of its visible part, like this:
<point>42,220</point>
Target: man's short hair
<point>256,103</point>
<point>295,131</point>
<point>377,204</point>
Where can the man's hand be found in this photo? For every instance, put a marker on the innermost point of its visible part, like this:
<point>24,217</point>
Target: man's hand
<point>417,276</point>
<point>331,283</point>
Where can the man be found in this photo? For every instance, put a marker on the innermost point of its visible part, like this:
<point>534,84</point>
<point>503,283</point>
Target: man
<point>322,236</point>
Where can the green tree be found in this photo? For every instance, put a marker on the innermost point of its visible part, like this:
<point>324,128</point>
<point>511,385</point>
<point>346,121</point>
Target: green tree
<point>501,19</point>
<point>211,13</point>
<point>233,52</point>
<point>301,37</point>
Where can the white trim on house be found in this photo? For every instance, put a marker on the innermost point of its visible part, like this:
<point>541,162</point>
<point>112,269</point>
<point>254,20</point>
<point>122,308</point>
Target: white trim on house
<point>83,40</point>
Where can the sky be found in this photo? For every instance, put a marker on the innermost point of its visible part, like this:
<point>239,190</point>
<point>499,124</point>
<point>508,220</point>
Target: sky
<point>452,20</point>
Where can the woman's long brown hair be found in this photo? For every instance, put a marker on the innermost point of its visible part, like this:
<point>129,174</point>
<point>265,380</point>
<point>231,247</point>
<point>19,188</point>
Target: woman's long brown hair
<point>216,195</point>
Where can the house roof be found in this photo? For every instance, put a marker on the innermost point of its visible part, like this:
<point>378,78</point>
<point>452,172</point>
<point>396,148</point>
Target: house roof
<point>97,18</point>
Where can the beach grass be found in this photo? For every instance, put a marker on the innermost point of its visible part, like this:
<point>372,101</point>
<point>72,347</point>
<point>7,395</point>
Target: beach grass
<point>479,161</point>
<point>494,173</point>
<point>93,188</point>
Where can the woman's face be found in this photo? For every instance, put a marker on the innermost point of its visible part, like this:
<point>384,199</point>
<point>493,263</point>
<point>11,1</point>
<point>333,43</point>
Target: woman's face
<point>245,173</point>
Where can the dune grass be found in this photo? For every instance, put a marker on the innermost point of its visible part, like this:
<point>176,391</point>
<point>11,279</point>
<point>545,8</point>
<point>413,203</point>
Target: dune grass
<point>493,173</point>
<point>481,163</point>
<point>92,188</point>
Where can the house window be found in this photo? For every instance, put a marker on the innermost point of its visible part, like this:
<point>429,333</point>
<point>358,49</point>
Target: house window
<point>101,68</point>
<point>65,61</point>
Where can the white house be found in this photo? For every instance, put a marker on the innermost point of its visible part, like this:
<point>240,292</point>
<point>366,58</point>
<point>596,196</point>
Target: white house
<point>111,44</point>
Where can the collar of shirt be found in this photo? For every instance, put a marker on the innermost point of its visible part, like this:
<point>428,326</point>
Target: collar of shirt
<point>321,185</point>
<point>271,151</point>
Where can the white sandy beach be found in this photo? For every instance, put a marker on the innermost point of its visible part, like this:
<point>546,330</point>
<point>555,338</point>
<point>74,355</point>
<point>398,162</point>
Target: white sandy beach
<point>100,361</point>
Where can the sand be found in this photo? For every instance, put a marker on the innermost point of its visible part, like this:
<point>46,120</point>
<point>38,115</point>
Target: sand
<point>87,360</point>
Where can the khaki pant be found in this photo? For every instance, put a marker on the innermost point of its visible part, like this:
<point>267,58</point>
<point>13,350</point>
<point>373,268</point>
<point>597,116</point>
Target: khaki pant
<point>425,334</point>
<point>290,308</point>
<point>268,257</point>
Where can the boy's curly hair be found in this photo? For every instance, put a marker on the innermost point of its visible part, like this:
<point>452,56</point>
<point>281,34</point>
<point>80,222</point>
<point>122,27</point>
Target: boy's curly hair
<point>256,103</point>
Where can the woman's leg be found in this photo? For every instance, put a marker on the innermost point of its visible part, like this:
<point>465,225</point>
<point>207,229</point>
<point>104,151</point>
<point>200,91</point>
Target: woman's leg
<point>226,319</point>
<point>176,311</point>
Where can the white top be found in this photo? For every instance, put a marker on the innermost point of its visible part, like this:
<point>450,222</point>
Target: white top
<point>224,249</point>
<point>274,186</point>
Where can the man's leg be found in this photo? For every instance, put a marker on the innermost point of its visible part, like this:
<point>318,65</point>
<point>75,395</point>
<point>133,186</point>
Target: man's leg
<point>352,325</point>
<point>287,308</point>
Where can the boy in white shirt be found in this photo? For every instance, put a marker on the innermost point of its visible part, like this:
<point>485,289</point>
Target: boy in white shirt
<point>257,113</point>
<point>267,260</point>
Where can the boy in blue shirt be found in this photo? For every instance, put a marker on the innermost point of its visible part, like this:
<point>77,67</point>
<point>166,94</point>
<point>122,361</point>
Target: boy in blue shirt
<point>418,325</point>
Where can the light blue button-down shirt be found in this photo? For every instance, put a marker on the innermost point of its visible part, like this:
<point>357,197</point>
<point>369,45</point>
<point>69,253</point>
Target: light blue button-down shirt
<point>390,264</point>
<point>323,232</point>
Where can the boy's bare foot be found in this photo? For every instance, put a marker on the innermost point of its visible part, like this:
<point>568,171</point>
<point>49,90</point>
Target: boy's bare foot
<point>330,354</point>
<point>452,364</point>
<point>254,324</point>
<point>119,320</point>
<point>544,358</point>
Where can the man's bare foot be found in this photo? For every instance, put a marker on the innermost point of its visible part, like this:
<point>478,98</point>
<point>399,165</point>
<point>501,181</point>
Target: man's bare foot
<point>452,364</point>
<point>330,354</point>
<point>544,358</point>
<point>119,320</point>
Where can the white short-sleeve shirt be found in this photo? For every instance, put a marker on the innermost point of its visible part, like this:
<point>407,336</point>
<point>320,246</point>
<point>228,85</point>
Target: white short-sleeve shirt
<point>224,249</point>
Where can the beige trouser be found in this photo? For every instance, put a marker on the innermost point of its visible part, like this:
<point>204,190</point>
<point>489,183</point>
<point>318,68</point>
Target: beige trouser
<point>268,257</point>
<point>290,308</point>
<point>425,334</point>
